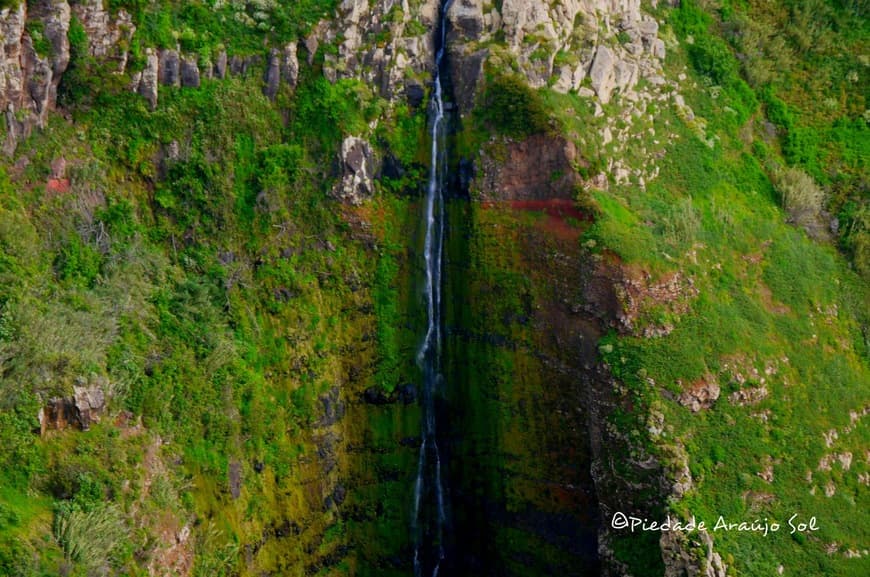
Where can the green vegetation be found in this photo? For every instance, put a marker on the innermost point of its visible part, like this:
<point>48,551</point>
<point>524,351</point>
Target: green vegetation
<point>508,106</point>
<point>199,273</point>
<point>775,312</point>
<point>803,60</point>
<point>250,334</point>
<point>238,25</point>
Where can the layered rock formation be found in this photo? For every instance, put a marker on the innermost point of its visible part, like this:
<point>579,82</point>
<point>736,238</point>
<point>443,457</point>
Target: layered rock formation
<point>386,43</point>
<point>34,52</point>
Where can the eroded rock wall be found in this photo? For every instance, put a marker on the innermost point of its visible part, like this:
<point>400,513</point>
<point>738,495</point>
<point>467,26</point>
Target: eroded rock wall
<point>34,53</point>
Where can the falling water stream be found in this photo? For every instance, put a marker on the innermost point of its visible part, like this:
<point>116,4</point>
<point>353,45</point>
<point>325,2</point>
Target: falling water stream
<point>430,517</point>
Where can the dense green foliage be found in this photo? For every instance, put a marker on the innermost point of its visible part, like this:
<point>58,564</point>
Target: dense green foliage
<point>198,272</point>
<point>237,25</point>
<point>508,106</point>
<point>802,59</point>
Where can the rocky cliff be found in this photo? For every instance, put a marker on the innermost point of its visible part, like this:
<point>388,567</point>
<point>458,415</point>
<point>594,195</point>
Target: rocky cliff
<point>34,53</point>
<point>598,50</point>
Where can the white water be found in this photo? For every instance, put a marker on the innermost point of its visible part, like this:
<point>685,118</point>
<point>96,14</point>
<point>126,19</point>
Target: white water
<point>428,531</point>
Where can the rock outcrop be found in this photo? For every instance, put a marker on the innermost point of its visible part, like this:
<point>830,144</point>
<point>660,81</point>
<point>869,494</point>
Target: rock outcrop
<point>386,43</point>
<point>145,82</point>
<point>32,59</point>
<point>108,36</point>
<point>358,167</point>
<point>282,66</point>
<point>691,556</point>
<point>83,408</point>
<point>35,52</point>
<point>541,167</point>
<point>701,394</point>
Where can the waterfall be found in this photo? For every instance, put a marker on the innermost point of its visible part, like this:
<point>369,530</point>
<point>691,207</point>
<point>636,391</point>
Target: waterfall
<point>429,508</point>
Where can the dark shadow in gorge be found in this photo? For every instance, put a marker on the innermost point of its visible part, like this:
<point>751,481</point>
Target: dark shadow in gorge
<point>513,420</point>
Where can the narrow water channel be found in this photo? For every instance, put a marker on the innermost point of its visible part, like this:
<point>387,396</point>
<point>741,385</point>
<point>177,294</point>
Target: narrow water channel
<point>430,515</point>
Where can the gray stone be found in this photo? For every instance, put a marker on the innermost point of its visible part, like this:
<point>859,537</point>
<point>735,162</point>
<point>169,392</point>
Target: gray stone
<point>358,167</point>
<point>601,73</point>
<point>170,68</point>
<point>272,77</point>
<point>657,48</point>
<point>107,36</point>
<point>89,402</point>
<point>466,73</point>
<point>148,80</point>
<point>290,65</point>
<point>466,17</point>
<point>189,72</point>
<point>220,65</point>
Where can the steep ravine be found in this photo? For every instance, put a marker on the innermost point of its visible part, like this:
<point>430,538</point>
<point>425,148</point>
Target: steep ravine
<point>520,421</point>
<point>512,411</point>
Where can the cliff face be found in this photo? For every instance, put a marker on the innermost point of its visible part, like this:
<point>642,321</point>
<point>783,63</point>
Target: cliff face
<point>34,53</point>
<point>558,43</point>
<point>386,43</point>
<point>536,461</point>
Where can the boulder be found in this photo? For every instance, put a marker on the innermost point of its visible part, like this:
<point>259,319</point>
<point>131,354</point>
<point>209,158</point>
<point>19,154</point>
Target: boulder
<point>83,408</point>
<point>89,402</point>
<point>601,73</point>
<point>358,167</point>
<point>701,395</point>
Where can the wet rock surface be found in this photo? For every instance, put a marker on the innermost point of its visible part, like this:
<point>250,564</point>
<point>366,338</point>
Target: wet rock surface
<point>537,168</point>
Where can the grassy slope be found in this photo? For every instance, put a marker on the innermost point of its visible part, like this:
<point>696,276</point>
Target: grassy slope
<point>223,297</point>
<point>782,310</point>
<point>775,308</point>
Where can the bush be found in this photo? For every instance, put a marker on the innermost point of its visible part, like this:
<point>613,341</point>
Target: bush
<point>90,538</point>
<point>856,236</point>
<point>711,57</point>
<point>801,197</point>
<point>78,263</point>
<point>510,107</point>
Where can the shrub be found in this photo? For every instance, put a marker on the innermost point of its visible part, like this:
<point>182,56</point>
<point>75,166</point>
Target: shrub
<point>856,236</point>
<point>509,106</point>
<point>801,197</point>
<point>90,538</point>
<point>711,57</point>
<point>78,263</point>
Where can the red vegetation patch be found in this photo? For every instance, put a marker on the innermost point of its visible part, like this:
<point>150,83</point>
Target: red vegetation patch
<point>58,185</point>
<point>557,211</point>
